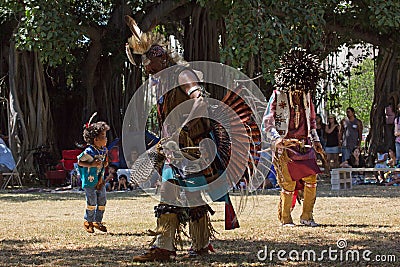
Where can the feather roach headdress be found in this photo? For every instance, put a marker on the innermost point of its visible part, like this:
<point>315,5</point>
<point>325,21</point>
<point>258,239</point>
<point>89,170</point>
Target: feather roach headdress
<point>299,70</point>
<point>149,44</point>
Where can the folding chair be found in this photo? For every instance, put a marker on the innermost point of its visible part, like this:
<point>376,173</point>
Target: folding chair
<point>12,177</point>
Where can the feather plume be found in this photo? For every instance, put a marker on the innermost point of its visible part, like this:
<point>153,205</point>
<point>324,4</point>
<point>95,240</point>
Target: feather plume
<point>133,27</point>
<point>91,118</point>
<point>129,54</point>
<point>148,162</point>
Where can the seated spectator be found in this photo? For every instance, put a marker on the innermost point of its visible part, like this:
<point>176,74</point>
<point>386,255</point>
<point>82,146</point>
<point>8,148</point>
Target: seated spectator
<point>111,179</point>
<point>7,162</point>
<point>392,177</point>
<point>242,184</point>
<point>122,181</point>
<point>391,161</point>
<point>4,137</point>
<point>356,160</point>
<point>270,181</point>
<point>380,162</point>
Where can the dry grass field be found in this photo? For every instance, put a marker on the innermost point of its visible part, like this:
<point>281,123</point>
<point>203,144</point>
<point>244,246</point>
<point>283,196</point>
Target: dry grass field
<point>45,229</point>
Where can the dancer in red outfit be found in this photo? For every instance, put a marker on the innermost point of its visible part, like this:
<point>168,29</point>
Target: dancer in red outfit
<point>289,122</point>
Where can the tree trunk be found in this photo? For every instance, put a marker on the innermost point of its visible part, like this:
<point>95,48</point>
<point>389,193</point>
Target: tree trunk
<point>201,43</point>
<point>89,72</point>
<point>31,123</point>
<point>387,84</point>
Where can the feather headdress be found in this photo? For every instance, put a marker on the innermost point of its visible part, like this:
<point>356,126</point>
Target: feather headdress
<point>299,70</point>
<point>141,42</point>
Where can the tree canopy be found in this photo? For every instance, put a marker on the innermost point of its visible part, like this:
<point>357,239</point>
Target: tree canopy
<point>75,49</point>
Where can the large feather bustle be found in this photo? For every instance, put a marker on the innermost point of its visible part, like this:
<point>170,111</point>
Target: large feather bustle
<point>250,139</point>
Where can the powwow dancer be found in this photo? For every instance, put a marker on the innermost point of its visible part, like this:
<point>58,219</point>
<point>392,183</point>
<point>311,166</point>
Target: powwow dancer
<point>170,214</point>
<point>91,163</point>
<point>289,122</point>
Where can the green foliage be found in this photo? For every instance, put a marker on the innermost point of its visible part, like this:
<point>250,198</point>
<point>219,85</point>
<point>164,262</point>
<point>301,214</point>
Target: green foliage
<point>265,29</point>
<point>269,28</point>
<point>46,26</point>
<point>54,28</point>
<point>384,15</point>
<point>359,92</point>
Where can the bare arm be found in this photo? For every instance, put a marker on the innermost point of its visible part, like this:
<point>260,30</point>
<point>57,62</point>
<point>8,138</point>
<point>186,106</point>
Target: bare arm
<point>396,127</point>
<point>345,164</point>
<point>341,128</point>
<point>189,83</point>
<point>330,130</point>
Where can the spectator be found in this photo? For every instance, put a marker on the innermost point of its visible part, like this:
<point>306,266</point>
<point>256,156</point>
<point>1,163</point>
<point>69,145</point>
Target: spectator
<point>122,181</point>
<point>393,178</point>
<point>4,137</point>
<point>133,157</point>
<point>397,132</point>
<point>111,179</point>
<point>395,181</point>
<point>7,162</point>
<point>392,161</point>
<point>332,130</point>
<point>381,160</point>
<point>320,129</point>
<point>356,160</point>
<point>242,184</point>
<point>388,127</point>
<point>350,133</point>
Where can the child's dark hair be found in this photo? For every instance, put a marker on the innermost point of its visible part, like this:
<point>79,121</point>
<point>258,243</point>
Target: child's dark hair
<point>123,176</point>
<point>381,149</point>
<point>91,131</point>
<point>113,166</point>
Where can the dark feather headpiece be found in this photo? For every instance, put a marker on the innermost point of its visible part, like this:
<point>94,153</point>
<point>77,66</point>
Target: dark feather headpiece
<point>299,70</point>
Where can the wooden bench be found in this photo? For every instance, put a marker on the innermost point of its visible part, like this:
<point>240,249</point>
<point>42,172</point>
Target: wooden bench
<point>341,177</point>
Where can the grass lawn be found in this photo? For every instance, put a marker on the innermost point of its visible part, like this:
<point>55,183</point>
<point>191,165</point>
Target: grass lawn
<point>46,229</point>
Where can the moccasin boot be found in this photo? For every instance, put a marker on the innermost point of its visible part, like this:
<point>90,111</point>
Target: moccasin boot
<point>196,253</point>
<point>100,226</point>
<point>88,227</point>
<point>155,254</point>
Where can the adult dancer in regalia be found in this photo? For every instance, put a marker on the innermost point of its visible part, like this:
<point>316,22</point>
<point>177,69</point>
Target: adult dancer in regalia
<point>156,57</point>
<point>289,123</point>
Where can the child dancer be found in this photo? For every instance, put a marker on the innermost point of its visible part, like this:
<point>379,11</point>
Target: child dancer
<point>92,162</point>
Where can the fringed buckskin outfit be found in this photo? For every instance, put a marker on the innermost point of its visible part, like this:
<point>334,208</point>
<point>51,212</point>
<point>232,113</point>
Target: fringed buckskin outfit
<point>172,218</point>
<point>290,121</point>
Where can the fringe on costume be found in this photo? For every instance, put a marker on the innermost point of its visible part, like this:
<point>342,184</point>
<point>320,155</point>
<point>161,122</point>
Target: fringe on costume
<point>171,221</point>
<point>201,231</point>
